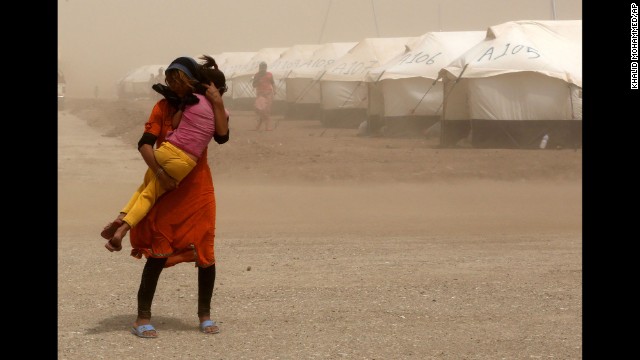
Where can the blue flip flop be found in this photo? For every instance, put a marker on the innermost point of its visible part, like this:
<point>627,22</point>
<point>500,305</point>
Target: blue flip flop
<point>139,331</point>
<point>209,323</point>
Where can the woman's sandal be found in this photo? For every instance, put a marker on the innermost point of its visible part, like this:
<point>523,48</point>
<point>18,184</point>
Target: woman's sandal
<point>209,323</point>
<point>140,330</point>
<point>110,229</point>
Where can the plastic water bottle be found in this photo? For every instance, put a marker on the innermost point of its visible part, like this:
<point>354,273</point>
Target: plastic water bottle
<point>543,143</point>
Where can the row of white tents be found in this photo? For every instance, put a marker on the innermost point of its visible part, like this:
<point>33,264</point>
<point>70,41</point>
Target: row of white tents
<point>507,86</point>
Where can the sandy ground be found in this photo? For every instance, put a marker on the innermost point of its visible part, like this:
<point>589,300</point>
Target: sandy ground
<point>330,246</point>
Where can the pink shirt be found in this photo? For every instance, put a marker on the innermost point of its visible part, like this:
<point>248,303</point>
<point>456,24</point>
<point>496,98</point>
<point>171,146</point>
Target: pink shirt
<point>196,128</point>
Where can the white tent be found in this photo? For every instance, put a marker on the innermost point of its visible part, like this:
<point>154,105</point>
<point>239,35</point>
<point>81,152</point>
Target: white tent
<point>288,60</point>
<point>406,79</point>
<point>343,85</point>
<point>137,82</point>
<point>524,80</point>
<point>243,92</point>
<point>407,86</point>
<point>303,82</point>
<point>229,63</point>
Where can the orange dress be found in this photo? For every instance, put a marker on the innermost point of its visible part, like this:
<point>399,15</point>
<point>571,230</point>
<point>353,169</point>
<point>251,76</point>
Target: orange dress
<point>181,224</point>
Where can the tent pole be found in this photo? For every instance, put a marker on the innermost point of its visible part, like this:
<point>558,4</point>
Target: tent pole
<point>280,82</point>
<point>445,99</point>
<point>375,19</point>
<point>324,23</point>
<point>306,89</point>
<point>573,115</point>
<point>425,94</point>
<point>350,95</point>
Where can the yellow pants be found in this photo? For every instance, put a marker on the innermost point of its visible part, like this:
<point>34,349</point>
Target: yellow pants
<point>175,163</point>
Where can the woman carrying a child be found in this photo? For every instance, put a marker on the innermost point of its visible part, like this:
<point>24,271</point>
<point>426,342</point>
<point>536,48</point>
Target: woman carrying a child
<point>180,227</point>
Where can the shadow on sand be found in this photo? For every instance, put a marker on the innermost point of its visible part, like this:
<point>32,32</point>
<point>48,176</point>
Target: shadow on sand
<point>124,322</point>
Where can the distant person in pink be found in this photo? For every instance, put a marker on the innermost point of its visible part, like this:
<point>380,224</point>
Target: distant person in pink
<point>265,91</point>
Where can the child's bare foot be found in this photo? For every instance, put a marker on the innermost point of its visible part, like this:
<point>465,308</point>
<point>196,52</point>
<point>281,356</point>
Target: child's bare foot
<point>112,247</point>
<point>111,228</point>
<point>115,244</point>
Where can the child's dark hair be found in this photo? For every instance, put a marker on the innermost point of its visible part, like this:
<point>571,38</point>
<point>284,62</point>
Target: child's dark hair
<point>208,73</point>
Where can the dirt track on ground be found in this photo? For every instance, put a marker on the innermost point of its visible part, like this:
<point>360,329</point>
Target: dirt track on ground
<point>358,247</point>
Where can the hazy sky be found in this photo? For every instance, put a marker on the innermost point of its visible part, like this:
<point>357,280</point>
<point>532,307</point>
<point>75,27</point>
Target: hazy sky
<point>99,41</point>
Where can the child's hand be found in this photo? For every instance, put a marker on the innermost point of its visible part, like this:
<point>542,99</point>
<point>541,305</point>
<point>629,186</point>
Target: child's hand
<point>214,97</point>
<point>212,93</point>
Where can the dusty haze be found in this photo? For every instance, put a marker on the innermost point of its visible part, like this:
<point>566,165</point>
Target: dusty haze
<point>329,246</point>
<point>100,41</point>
